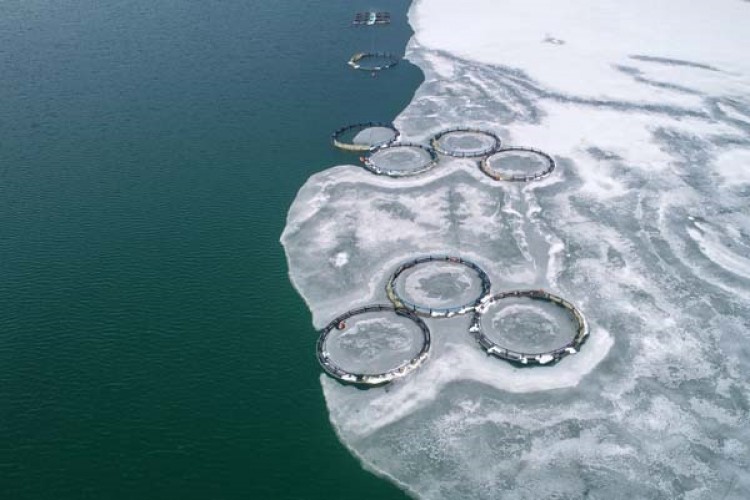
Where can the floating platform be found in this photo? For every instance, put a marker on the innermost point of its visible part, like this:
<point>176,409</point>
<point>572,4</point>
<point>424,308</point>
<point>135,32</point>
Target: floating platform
<point>342,325</point>
<point>364,136</point>
<point>373,61</point>
<point>500,165</point>
<point>465,142</point>
<point>400,159</point>
<point>571,346</point>
<point>371,19</point>
<point>396,294</point>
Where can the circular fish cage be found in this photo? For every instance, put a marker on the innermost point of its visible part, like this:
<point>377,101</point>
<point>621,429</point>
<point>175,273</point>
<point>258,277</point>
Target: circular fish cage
<point>400,159</point>
<point>373,61</point>
<point>373,345</point>
<point>518,164</point>
<point>462,142</point>
<point>438,286</point>
<point>501,326</point>
<point>362,137</point>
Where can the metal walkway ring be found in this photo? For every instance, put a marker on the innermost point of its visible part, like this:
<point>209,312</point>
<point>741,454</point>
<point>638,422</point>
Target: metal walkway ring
<point>484,165</point>
<point>337,372</point>
<point>336,137</point>
<point>538,358</point>
<point>435,143</point>
<point>370,162</point>
<point>437,312</point>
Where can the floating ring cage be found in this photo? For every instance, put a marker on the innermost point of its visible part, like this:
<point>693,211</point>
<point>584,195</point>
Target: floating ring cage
<point>373,61</point>
<point>463,142</point>
<point>523,160</point>
<point>365,136</point>
<point>474,292</point>
<point>534,358</point>
<point>357,377</point>
<point>396,153</point>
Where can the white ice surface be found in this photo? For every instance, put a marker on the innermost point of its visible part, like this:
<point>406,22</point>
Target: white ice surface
<point>598,37</point>
<point>645,225</point>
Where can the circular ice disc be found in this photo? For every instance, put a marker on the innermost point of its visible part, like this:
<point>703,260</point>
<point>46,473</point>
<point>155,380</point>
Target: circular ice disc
<point>529,326</point>
<point>438,286</point>
<point>374,136</point>
<point>518,164</point>
<point>400,160</point>
<point>361,137</point>
<point>373,345</point>
<point>466,142</point>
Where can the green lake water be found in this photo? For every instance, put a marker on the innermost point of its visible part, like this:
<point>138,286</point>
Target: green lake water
<point>151,344</point>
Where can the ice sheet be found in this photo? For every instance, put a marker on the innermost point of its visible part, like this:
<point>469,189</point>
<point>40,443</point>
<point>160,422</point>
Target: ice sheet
<point>595,41</point>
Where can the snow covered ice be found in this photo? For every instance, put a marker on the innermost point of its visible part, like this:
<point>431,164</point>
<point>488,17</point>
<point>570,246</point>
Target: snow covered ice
<point>644,225</point>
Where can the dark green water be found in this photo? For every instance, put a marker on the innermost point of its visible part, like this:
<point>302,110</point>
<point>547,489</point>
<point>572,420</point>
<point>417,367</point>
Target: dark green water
<point>151,345</point>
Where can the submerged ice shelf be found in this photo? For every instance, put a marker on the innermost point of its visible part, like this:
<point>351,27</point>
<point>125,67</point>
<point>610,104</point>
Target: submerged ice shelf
<point>644,224</point>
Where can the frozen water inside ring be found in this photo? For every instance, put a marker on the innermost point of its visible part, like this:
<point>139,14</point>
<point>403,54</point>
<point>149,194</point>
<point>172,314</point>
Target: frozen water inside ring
<point>517,164</point>
<point>364,136</point>
<point>373,345</point>
<point>401,159</point>
<point>438,286</point>
<point>464,142</point>
<point>515,326</point>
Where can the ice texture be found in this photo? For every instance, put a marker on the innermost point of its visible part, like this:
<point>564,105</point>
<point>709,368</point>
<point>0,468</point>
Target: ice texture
<point>644,225</point>
<point>374,343</point>
<point>372,136</point>
<point>400,158</point>
<point>528,326</point>
<point>439,284</point>
<point>517,163</point>
<point>466,142</point>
